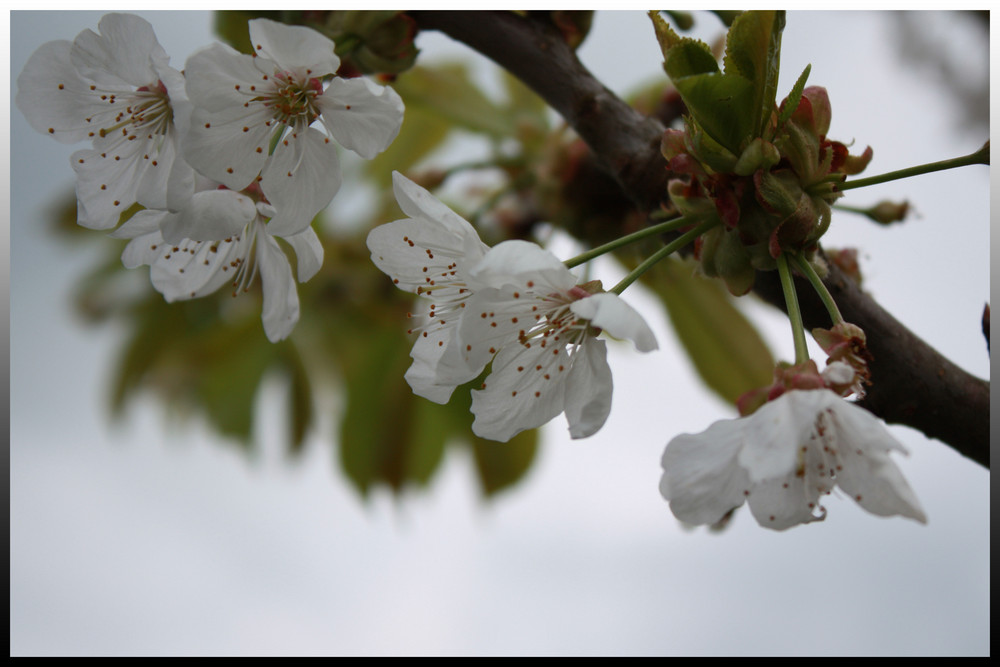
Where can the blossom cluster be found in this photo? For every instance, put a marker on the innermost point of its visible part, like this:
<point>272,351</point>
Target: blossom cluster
<point>515,307</point>
<point>236,151</point>
<point>203,170</point>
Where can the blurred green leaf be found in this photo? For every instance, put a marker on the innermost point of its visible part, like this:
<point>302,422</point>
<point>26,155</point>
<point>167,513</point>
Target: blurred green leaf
<point>422,132</point>
<point>233,361</point>
<point>724,346</point>
<point>300,398</point>
<point>388,435</point>
<point>231,27</point>
<point>447,90</point>
<point>501,465</point>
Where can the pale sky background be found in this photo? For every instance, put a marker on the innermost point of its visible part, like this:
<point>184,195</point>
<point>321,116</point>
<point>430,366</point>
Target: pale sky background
<point>151,538</point>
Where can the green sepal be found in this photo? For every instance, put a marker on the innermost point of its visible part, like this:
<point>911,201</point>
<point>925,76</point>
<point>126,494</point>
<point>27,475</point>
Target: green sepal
<point>792,101</point>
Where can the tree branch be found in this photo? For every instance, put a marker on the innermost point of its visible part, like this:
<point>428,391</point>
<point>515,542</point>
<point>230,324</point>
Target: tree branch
<point>912,383</point>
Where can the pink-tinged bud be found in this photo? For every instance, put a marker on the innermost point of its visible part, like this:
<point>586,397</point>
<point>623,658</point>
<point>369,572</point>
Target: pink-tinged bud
<point>818,108</point>
<point>672,144</point>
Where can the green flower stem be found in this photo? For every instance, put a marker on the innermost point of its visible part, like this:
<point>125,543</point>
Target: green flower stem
<point>809,271</point>
<point>668,226</point>
<point>497,163</point>
<point>673,246</point>
<point>850,209</point>
<point>982,156</point>
<point>794,314</point>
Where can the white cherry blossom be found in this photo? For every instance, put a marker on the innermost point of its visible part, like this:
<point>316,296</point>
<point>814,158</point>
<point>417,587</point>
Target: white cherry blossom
<point>222,236</point>
<point>254,117</point>
<point>782,458</point>
<point>118,90</point>
<point>430,253</point>
<point>538,327</point>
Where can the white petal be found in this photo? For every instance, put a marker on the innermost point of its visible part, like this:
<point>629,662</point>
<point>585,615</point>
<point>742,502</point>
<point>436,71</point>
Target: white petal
<point>165,179</point>
<point>300,180</point>
<point>416,252</point>
<point>785,502</point>
<point>424,207</point>
<point>211,215</point>
<point>362,116</point>
<point>106,182</point>
<point>190,269</point>
<point>525,389</point>
<point>610,312</point>
<point>60,112</point>
<point>588,389</point>
<point>301,50</point>
<point>281,300</point>
<point>494,319</point>
<point>523,265</point>
<point>125,51</point>
<point>778,430</point>
<point>144,230</point>
<point>868,474</point>
<point>308,253</point>
<point>437,368</point>
<point>218,147</point>
<point>218,77</point>
<point>701,476</point>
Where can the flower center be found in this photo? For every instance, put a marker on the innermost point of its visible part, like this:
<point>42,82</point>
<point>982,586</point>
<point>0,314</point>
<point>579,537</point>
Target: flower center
<point>148,112</point>
<point>293,100</point>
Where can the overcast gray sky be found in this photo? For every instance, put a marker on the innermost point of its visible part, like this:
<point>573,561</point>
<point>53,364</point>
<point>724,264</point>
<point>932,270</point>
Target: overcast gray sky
<point>153,539</point>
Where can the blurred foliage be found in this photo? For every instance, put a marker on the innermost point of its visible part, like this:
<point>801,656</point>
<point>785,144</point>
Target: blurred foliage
<point>209,356</point>
<point>368,42</point>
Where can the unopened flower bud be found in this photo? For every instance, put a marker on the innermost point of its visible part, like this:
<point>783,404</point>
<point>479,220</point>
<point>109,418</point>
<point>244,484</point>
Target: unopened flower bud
<point>814,110</point>
<point>887,212</point>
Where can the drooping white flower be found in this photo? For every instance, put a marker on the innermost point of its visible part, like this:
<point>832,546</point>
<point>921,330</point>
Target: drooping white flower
<point>782,458</point>
<point>430,253</point>
<point>254,114</point>
<point>538,327</point>
<point>118,90</point>
<point>219,237</point>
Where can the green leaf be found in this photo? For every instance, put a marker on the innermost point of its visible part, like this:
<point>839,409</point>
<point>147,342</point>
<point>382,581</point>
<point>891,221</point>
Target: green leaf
<point>724,347</point>
<point>500,465</point>
<point>689,57</point>
<point>720,104</point>
<point>753,51</point>
<point>388,435</point>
